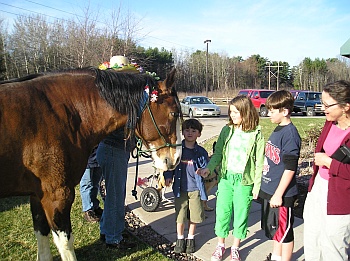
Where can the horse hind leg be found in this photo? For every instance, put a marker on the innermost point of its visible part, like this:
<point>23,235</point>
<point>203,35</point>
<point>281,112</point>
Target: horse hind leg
<point>41,230</point>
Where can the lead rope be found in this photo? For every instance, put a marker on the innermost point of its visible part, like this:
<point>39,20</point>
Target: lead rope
<point>138,148</point>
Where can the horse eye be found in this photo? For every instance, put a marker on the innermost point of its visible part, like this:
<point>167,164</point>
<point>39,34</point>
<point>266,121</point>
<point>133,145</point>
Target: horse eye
<point>174,114</point>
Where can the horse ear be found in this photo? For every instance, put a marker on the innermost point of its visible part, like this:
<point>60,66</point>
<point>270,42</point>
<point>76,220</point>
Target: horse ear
<point>170,79</point>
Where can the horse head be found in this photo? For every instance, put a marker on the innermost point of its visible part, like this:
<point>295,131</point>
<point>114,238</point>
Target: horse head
<point>159,127</point>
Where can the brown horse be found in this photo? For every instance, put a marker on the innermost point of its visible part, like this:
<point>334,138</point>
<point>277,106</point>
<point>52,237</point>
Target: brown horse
<point>49,124</point>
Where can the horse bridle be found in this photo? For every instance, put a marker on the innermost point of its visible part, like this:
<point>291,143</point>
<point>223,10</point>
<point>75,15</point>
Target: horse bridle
<point>140,152</point>
<point>139,140</point>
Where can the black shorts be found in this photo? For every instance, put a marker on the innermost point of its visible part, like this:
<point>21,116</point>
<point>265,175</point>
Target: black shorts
<point>277,222</point>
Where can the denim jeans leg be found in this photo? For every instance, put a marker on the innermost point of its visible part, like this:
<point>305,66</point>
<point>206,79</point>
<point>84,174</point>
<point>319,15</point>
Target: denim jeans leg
<point>85,190</point>
<point>114,164</point>
<point>96,178</point>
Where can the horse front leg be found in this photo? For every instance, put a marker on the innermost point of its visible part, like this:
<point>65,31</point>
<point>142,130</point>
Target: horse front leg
<point>57,207</point>
<point>41,230</point>
<point>64,242</point>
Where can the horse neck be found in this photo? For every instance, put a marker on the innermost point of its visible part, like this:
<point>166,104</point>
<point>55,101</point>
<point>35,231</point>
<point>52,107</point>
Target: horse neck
<point>82,99</point>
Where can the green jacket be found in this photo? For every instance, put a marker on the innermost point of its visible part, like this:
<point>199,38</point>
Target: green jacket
<point>255,160</point>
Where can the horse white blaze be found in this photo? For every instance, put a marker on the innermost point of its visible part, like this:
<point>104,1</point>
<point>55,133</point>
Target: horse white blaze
<point>160,163</point>
<point>44,253</point>
<point>65,246</point>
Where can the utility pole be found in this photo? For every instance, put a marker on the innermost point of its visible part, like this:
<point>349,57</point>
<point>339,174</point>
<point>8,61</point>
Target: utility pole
<point>278,66</point>
<point>206,69</point>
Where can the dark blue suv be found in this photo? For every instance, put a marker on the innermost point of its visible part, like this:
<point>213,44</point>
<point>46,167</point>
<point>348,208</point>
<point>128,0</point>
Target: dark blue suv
<point>307,102</point>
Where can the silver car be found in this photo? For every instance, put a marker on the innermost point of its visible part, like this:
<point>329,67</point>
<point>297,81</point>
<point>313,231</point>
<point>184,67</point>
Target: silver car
<point>199,106</point>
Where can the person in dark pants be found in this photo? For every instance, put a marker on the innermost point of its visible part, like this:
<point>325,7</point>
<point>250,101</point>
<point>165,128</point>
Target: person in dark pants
<point>113,154</point>
<point>278,189</point>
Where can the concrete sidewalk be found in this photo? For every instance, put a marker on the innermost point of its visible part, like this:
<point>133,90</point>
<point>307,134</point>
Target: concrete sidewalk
<point>254,248</point>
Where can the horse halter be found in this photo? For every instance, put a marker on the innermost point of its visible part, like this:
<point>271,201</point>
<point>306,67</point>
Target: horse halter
<point>139,140</point>
<point>145,152</point>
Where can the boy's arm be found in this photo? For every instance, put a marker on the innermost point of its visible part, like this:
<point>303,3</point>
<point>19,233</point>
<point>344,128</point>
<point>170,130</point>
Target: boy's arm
<point>276,200</point>
<point>259,163</point>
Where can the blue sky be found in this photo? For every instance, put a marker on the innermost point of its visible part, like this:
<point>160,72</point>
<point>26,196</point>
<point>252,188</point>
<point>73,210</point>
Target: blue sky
<point>285,30</point>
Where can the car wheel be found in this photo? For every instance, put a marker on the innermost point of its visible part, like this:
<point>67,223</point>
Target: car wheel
<point>150,199</point>
<point>310,111</point>
<point>263,112</point>
<point>190,114</point>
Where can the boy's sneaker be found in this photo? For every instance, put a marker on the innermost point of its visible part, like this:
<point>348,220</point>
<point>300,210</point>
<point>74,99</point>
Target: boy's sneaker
<point>180,246</point>
<point>235,254</point>
<point>190,246</point>
<point>217,255</point>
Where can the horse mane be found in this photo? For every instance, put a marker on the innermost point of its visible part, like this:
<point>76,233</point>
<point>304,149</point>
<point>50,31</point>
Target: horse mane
<point>22,79</point>
<point>124,92</point>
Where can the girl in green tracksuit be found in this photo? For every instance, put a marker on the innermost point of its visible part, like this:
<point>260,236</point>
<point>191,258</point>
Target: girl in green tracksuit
<point>240,153</point>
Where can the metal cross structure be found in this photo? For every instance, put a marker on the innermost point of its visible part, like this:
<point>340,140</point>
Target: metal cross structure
<point>272,74</point>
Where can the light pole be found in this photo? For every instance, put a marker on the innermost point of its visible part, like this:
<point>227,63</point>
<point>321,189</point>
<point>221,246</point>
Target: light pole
<point>206,69</point>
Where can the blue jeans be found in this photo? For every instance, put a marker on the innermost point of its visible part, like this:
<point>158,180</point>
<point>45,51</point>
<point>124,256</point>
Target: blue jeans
<point>89,187</point>
<point>114,164</point>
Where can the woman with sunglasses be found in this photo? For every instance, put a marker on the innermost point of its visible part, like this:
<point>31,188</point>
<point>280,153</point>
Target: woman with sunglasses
<point>327,206</point>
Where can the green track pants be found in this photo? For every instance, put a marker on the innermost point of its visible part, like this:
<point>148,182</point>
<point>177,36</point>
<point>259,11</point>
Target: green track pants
<point>233,201</point>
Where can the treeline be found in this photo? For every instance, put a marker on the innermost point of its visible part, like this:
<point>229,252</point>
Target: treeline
<point>35,45</point>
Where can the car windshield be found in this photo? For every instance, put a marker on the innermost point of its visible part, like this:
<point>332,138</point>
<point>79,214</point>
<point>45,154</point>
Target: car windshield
<point>200,100</point>
<point>314,96</point>
<point>265,94</point>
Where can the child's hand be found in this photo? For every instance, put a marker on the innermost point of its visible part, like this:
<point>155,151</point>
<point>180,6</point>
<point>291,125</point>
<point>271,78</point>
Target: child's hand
<point>203,172</point>
<point>168,182</point>
<point>275,201</point>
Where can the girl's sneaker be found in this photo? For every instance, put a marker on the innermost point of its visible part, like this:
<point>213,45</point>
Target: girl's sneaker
<point>235,254</point>
<point>217,255</point>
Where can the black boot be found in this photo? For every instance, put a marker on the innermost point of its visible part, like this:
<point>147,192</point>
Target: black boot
<point>180,246</point>
<point>190,246</point>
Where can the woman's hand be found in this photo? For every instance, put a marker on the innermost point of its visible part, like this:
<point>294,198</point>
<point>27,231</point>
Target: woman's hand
<point>321,159</point>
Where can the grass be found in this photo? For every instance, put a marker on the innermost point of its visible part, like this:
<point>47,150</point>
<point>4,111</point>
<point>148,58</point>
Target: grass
<point>303,124</point>
<point>18,242</point>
